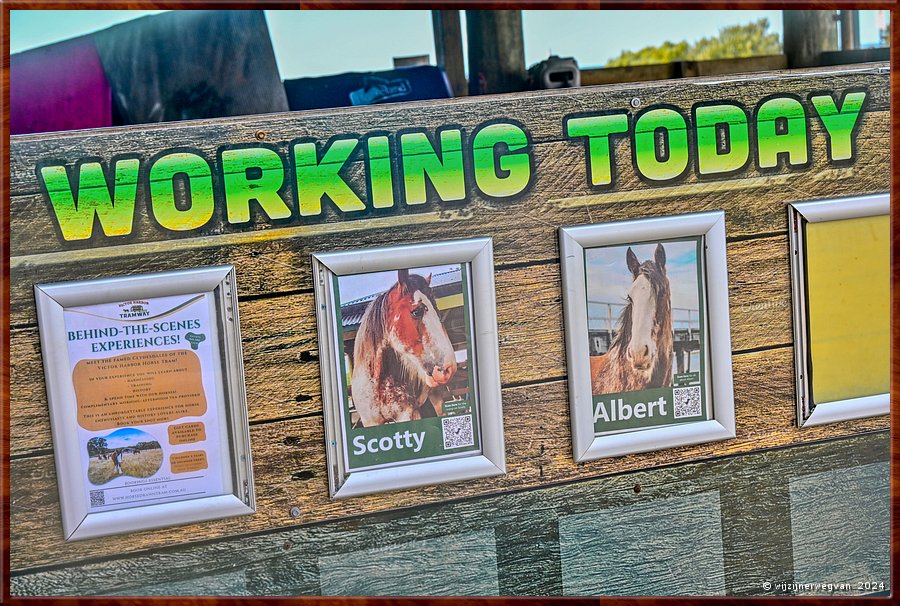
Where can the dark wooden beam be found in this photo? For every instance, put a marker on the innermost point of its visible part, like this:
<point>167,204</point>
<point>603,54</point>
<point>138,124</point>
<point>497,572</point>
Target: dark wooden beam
<point>496,52</point>
<point>849,30</point>
<point>807,34</point>
<point>448,48</point>
<point>534,534</point>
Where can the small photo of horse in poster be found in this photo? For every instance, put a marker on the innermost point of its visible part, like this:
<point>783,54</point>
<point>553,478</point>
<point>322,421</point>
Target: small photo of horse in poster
<point>124,452</point>
<point>645,333</point>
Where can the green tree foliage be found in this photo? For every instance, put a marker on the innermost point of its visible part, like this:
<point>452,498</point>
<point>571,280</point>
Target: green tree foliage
<point>95,446</point>
<point>667,52</point>
<point>748,40</point>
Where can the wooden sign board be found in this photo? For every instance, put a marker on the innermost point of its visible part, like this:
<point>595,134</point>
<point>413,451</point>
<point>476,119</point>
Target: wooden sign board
<point>267,191</point>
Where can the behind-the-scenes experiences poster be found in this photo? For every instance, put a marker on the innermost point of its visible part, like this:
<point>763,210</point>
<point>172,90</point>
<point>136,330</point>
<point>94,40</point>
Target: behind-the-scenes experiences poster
<point>406,365</point>
<point>647,334</point>
<point>147,391</point>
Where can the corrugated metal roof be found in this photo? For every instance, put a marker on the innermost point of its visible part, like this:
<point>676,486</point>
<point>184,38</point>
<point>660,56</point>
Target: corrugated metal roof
<point>352,319</point>
<point>446,277</point>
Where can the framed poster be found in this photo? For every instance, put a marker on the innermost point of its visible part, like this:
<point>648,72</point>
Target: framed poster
<point>148,413</point>
<point>841,280</point>
<point>648,338</point>
<point>409,365</point>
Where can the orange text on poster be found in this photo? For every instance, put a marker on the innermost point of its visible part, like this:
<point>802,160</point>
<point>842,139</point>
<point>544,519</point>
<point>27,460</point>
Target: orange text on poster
<point>187,433</point>
<point>143,388</point>
<point>186,462</point>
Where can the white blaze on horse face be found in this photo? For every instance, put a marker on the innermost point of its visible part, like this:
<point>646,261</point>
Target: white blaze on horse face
<point>642,347</point>
<point>436,363</point>
<point>439,356</point>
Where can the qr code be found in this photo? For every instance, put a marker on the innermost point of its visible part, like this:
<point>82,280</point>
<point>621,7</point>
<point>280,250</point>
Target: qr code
<point>98,498</point>
<point>687,402</point>
<point>457,431</point>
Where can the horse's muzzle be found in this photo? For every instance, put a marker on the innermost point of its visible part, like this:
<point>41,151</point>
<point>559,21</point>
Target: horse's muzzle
<point>441,375</point>
<point>643,359</point>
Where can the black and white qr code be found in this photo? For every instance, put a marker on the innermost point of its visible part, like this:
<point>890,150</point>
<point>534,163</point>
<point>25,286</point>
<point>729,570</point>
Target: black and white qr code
<point>687,402</point>
<point>98,498</point>
<point>457,431</point>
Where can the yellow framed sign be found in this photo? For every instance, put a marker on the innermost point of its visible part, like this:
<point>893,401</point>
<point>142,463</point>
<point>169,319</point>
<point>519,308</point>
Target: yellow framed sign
<point>840,270</point>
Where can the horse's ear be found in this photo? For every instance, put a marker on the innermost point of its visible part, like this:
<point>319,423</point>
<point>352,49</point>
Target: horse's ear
<point>633,263</point>
<point>403,279</point>
<point>660,256</point>
<point>428,280</point>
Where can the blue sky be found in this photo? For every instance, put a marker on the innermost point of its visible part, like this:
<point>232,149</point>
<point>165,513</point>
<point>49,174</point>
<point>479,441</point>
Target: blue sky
<point>313,43</point>
<point>122,438</point>
<point>608,277</point>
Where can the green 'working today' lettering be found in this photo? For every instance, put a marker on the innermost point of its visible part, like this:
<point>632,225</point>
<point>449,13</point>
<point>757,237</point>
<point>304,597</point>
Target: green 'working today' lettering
<point>721,139</point>
<point>182,189</point>
<point>359,175</point>
<point>75,216</point>
<point>241,188</point>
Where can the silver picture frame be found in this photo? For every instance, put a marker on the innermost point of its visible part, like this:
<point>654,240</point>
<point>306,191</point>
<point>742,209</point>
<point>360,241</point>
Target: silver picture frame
<point>573,242</point>
<point>800,214</point>
<point>477,255</point>
<point>233,437</point>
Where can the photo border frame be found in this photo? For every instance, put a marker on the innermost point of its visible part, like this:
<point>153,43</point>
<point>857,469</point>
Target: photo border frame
<point>51,301</point>
<point>478,253</point>
<point>799,214</point>
<point>573,240</point>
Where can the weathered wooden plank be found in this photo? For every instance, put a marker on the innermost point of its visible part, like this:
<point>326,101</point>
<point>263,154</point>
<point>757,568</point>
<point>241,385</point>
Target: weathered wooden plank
<point>559,166</point>
<point>821,506</point>
<point>281,366</point>
<point>606,552</point>
<point>528,555</point>
<point>276,260</point>
<point>232,583</point>
<point>748,563</point>
<point>285,562</point>
<point>735,65</point>
<point>559,196</point>
<point>289,465</point>
<point>462,563</point>
<point>632,73</point>
<point>681,69</point>
<point>759,293</point>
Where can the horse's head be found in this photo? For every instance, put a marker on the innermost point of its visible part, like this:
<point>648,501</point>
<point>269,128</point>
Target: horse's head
<point>648,305</point>
<point>414,330</point>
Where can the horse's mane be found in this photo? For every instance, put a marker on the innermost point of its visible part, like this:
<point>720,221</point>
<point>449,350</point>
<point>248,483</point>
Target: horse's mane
<point>370,336</point>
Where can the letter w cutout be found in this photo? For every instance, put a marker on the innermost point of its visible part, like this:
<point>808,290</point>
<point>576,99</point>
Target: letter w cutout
<point>75,214</point>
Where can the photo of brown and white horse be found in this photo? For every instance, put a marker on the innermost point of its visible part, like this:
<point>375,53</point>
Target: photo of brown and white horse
<point>640,354</point>
<point>402,356</point>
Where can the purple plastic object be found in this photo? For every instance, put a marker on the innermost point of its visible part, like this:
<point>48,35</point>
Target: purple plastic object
<point>58,87</point>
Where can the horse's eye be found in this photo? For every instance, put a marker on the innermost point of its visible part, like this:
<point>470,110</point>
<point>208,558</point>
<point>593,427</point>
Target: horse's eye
<point>417,313</point>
